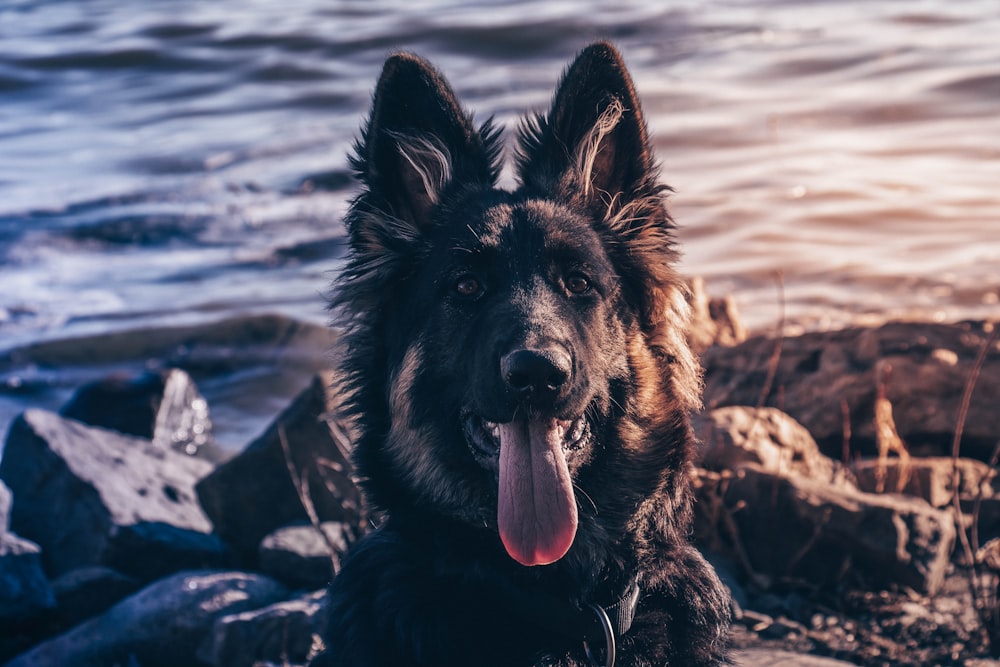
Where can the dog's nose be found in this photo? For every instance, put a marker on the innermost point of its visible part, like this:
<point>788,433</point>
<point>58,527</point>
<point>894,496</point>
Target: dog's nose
<point>538,373</point>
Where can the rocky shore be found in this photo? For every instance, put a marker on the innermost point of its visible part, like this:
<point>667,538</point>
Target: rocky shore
<point>128,538</point>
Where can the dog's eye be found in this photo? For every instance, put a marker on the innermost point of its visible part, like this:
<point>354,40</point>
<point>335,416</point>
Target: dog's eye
<point>577,283</point>
<point>468,286</point>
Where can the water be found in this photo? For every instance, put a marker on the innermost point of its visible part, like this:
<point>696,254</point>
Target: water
<point>176,161</point>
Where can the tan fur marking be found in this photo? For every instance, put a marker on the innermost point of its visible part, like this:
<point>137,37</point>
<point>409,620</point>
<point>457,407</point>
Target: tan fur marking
<point>430,161</point>
<point>590,147</point>
<point>411,447</point>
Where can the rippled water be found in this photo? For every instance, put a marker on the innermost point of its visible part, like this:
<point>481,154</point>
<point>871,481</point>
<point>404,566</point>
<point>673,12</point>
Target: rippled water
<point>169,161</point>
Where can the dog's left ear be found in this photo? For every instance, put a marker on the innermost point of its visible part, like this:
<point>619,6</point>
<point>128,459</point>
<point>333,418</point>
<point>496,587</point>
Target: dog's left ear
<point>593,143</point>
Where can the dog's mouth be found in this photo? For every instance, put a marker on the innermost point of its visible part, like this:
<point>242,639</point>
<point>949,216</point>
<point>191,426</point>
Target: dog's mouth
<point>536,505</point>
<point>484,436</point>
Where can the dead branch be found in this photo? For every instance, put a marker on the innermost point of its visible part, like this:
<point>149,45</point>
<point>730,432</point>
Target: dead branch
<point>986,612</point>
<point>301,484</point>
<point>772,364</point>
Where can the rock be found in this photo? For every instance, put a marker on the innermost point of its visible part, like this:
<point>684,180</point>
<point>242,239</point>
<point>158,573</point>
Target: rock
<point>25,594</point>
<point>5,502</point>
<point>88,591</point>
<point>253,493</point>
<point>930,365</point>
<point>737,435</point>
<point>89,496</point>
<point>793,528</point>
<point>163,406</point>
<point>930,478</point>
<point>713,321</point>
<point>283,633</point>
<point>300,556</point>
<point>762,657</point>
<point>152,549</point>
<point>24,590</point>
<point>162,625</point>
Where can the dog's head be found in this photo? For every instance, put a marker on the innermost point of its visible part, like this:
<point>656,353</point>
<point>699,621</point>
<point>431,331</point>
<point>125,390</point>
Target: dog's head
<point>515,359</point>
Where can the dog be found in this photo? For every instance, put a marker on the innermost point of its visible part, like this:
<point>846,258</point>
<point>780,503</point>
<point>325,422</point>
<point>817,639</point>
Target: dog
<point>521,384</point>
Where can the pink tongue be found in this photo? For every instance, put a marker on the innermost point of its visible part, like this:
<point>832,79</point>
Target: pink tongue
<point>536,512</point>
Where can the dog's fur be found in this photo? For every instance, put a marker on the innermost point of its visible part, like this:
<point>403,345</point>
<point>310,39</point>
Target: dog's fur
<point>461,302</point>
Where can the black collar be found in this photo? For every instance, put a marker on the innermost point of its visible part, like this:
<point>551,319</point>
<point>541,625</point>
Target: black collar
<point>597,625</point>
<point>615,620</point>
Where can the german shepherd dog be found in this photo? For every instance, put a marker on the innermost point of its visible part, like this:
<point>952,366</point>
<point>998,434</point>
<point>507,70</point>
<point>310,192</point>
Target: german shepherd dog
<point>518,370</point>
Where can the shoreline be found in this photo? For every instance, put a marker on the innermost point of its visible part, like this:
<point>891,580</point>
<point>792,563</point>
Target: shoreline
<point>890,606</point>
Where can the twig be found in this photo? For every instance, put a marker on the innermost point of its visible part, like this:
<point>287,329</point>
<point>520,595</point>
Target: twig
<point>772,364</point>
<point>301,484</point>
<point>985,614</point>
<point>963,413</point>
<point>811,542</point>
<point>845,449</point>
<point>977,503</point>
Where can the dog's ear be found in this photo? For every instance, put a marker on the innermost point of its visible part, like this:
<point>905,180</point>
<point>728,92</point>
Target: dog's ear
<point>417,142</point>
<point>593,142</point>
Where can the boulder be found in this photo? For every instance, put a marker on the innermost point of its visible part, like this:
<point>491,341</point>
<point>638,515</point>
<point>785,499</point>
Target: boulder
<point>767,657</point>
<point>90,496</point>
<point>163,406</point>
<point>25,594</point>
<point>162,625</point>
<point>930,365</point>
<point>713,321</point>
<point>88,591</point>
<point>284,633</point>
<point>735,436</point>
<point>788,527</point>
<point>24,590</point>
<point>930,478</point>
<point>300,556</point>
<point>303,454</point>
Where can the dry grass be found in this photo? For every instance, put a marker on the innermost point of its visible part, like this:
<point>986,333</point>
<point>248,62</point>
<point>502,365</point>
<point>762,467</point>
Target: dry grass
<point>886,436</point>
<point>301,482</point>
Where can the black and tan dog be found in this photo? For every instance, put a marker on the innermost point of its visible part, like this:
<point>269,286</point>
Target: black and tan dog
<point>518,370</point>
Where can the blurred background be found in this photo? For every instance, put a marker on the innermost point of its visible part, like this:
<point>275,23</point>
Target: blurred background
<point>175,159</point>
<point>174,162</point>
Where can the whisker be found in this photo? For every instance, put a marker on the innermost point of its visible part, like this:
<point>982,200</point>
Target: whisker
<point>580,492</point>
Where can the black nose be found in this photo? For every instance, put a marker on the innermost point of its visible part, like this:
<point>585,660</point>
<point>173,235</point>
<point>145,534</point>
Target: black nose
<point>537,373</point>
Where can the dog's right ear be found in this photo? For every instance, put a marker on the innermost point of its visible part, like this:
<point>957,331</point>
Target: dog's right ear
<point>417,142</point>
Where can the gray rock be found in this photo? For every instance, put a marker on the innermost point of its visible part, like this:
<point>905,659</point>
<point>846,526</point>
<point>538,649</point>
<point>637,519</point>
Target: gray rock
<point>89,496</point>
<point>161,626</point>
<point>301,557</point>
<point>734,436</point>
<point>88,591</point>
<point>253,493</point>
<point>163,406</point>
<point>25,594</point>
<point>24,590</point>
<point>283,633</point>
<point>794,528</point>
<point>930,364</point>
